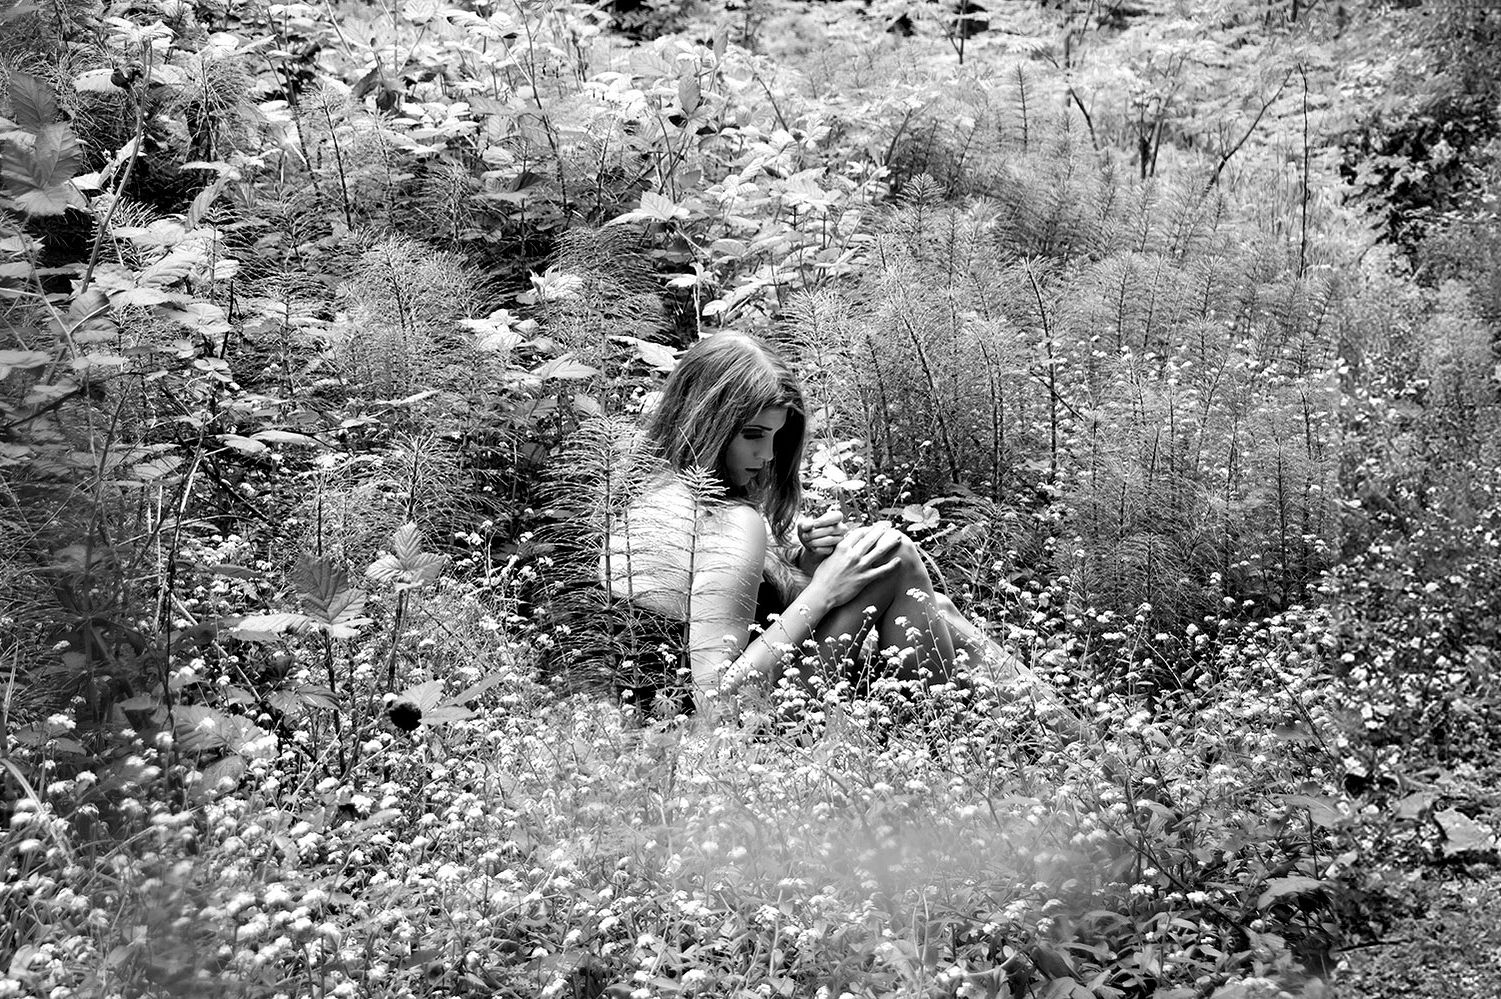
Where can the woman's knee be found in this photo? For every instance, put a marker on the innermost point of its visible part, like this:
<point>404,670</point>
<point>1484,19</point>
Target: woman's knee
<point>910,565</point>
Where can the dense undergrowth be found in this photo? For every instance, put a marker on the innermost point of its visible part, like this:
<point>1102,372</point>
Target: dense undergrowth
<point>318,319</point>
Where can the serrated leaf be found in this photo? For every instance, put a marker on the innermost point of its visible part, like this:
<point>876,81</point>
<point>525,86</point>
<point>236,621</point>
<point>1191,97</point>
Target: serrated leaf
<point>406,543</point>
<point>179,262</point>
<point>661,208</point>
<point>40,178</point>
<point>384,569</point>
<point>424,696</point>
<point>328,599</point>
<point>49,200</point>
<point>446,713</point>
<point>202,729</point>
<point>284,701</point>
<point>1414,805</point>
<point>657,355</point>
<point>349,628</point>
<point>319,581</point>
<point>1280,888</point>
<point>32,104</point>
<point>408,564</point>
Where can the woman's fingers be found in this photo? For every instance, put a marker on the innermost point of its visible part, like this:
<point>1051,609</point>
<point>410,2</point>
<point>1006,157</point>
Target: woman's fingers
<point>883,543</point>
<point>879,538</point>
<point>822,529</point>
<point>875,572</point>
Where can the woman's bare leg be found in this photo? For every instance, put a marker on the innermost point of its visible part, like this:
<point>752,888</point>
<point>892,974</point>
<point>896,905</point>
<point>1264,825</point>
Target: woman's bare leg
<point>903,609</point>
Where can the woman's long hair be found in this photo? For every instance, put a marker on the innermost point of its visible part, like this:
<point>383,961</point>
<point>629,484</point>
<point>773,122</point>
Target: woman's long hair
<point>719,384</point>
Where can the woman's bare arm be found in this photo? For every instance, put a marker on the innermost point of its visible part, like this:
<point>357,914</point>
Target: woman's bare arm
<point>723,603</point>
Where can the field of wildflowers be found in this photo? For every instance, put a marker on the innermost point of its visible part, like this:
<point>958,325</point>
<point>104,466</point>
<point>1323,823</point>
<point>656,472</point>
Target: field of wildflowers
<point>1192,843</point>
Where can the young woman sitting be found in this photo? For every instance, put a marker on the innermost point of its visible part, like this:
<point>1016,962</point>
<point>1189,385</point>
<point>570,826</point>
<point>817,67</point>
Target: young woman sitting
<point>731,422</point>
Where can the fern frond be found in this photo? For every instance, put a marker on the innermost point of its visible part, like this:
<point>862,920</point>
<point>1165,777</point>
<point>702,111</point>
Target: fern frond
<point>403,303</point>
<point>615,292</point>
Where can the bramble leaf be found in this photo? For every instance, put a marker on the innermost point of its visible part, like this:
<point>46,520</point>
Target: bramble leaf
<point>31,102</point>
<point>40,178</point>
<point>327,598</point>
<point>407,564</point>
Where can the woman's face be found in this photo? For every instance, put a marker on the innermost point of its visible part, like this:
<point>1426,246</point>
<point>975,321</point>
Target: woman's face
<point>750,450</point>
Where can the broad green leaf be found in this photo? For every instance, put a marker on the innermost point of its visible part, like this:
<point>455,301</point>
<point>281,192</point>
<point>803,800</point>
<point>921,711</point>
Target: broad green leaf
<point>52,200</point>
<point>425,696</point>
<point>1463,834</point>
<point>21,360</point>
<point>204,317</point>
<point>478,687</point>
<point>244,444</point>
<point>327,598</point>
<point>407,564</point>
<point>1321,811</point>
<point>96,81</point>
<point>446,713</point>
<point>1280,888</point>
<point>179,262</point>
<point>223,775</point>
<point>384,569</point>
<point>1414,805</point>
<point>31,101</point>
<point>204,201</point>
<point>200,728</point>
<point>566,368</point>
<point>315,696</point>
<point>660,207</point>
<point>284,437</point>
<point>657,355</point>
<point>268,627</point>
<point>141,297</point>
<point>689,92</point>
<point>39,178</point>
<point>406,542</point>
<point>150,471</point>
<point>89,362</point>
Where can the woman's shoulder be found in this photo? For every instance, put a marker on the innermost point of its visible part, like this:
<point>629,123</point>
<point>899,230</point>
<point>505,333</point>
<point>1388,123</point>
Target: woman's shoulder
<point>671,504</point>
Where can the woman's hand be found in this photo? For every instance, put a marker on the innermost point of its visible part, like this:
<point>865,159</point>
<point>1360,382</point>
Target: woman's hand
<point>819,536</point>
<point>861,557</point>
